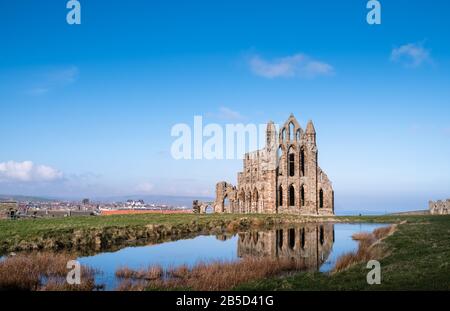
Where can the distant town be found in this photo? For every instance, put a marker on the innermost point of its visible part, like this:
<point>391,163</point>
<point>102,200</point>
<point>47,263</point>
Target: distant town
<point>10,208</point>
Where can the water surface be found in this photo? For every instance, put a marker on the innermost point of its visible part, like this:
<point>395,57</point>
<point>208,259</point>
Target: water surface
<point>317,246</point>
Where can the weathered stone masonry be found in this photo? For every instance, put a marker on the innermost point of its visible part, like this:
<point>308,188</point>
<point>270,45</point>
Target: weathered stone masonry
<point>283,177</point>
<point>439,207</point>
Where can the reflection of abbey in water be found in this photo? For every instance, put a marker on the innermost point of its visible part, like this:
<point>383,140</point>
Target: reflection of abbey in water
<point>309,244</point>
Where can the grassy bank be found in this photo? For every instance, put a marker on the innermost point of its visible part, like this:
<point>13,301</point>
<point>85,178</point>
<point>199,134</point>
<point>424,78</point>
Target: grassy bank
<point>417,257</point>
<point>99,232</point>
<point>104,232</point>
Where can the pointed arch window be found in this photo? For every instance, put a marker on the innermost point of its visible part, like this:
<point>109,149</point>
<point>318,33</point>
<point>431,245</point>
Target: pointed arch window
<point>291,132</point>
<point>291,196</point>
<point>280,196</point>
<point>321,198</point>
<point>291,164</point>
<point>302,162</point>
<point>302,240</point>
<point>302,195</point>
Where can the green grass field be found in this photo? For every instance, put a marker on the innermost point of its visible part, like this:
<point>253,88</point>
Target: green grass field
<point>14,232</point>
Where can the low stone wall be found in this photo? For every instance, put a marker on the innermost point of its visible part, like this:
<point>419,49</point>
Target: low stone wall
<point>439,207</point>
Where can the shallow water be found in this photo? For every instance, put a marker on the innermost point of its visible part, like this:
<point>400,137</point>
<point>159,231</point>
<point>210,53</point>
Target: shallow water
<point>317,245</point>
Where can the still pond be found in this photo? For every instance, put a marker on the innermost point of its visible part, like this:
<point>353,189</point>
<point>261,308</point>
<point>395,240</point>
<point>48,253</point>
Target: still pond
<point>317,245</point>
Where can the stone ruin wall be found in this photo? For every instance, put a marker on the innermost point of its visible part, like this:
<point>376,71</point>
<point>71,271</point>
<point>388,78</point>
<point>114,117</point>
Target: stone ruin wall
<point>439,207</point>
<point>8,209</point>
<point>264,185</point>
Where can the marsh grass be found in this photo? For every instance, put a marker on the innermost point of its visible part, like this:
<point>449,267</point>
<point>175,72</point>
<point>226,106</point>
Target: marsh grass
<point>368,248</point>
<point>41,271</point>
<point>151,273</point>
<point>213,276</point>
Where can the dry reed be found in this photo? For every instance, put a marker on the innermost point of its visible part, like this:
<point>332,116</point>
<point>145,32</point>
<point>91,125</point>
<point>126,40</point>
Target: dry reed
<point>218,275</point>
<point>151,273</point>
<point>41,271</point>
<point>367,248</point>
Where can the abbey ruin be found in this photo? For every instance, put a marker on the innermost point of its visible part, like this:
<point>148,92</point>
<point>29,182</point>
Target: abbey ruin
<point>439,207</point>
<point>283,177</point>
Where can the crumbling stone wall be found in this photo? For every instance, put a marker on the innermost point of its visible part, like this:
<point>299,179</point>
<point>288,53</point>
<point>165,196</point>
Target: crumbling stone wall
<point>199,207</point>
<point>439,207</point>
<point>283,177</point>
<point>225,191</point>
<point>8,209</point>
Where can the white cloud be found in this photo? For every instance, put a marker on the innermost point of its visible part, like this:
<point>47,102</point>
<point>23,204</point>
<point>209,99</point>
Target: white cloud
<point>53,79</point>
<point>226,114</point>
<point>411,55</point>
<point>145,188</point>
<point>298,65</point>
<point>64,76</point>
<point>27,171</point>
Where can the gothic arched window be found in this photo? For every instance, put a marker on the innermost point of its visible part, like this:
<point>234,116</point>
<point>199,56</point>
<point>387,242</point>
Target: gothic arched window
<point>291,164</point>
<point>280,196</point>
<point>321,198</point>
<point>302,196</point>
<point>302,162</point>
<point>291,196</point>
<point>303,238</point>
<point>291,131</point>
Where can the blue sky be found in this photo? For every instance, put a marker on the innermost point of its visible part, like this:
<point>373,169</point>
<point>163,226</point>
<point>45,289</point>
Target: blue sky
<point>87,109</point>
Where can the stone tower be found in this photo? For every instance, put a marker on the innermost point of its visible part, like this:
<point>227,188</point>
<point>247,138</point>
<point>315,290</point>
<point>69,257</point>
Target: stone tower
<point>283,177</point>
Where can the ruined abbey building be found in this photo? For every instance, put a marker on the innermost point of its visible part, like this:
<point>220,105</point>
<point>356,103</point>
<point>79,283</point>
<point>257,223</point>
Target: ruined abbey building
<point>283,177</point>
<point>439,207</point>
